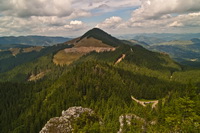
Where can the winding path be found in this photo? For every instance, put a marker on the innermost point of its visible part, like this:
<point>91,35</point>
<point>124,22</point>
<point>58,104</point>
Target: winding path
<point>144,104</point>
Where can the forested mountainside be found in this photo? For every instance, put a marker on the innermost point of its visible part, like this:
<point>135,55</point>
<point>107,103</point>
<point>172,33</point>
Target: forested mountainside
<point>113,83</point>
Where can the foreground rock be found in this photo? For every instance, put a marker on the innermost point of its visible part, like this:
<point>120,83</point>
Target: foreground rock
<point>128,120</point>
<point>64,123</point>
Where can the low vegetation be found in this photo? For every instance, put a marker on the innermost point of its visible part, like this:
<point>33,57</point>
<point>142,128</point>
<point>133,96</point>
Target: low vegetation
<point>64,58</point>
<point>81,47</point>
<point>30,49</point>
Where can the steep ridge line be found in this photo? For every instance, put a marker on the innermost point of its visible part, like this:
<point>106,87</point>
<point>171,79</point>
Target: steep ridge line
<point>143,103</point>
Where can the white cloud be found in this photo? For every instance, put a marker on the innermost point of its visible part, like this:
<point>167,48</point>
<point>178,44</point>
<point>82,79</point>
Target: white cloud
<point>112,22</point>
<point>77,13</point>
<point>92,4</point>
<point>160,14</point>
<point>189,20</point>
<point>27,8</point>
<point>175,24</point>
<point>155,9</point>
<point>75,25</point>
<point>76,22</point>
<point>38,26</point>
<point>58,17</point>
<point>196,14</point>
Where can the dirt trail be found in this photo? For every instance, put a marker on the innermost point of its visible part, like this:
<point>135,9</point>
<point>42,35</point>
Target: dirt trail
<point>120,59</point>
<point>144,103</point>
<point>154,104</point>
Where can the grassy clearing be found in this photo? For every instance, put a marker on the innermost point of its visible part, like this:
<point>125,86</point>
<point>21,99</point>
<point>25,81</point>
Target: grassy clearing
<point>63,58</point>
<point>91,42</point>
<point>37,76</point>
<point>30,49</point>
<point>14,51</point>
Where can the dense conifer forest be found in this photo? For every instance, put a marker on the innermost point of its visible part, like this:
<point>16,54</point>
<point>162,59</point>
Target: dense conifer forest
<point>95,81</point>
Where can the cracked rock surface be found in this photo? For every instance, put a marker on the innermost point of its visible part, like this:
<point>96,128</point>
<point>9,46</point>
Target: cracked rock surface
<point>63,124</point>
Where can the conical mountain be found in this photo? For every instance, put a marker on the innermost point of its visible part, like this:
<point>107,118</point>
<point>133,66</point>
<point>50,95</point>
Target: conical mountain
<point>93,45</point>
<point>103,36</point>
<point>97,38</point>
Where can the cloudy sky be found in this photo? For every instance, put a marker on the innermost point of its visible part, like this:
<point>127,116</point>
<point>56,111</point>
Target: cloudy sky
<point>74,17</point>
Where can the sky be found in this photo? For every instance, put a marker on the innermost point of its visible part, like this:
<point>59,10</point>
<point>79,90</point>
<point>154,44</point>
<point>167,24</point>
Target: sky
<point>74,17</point>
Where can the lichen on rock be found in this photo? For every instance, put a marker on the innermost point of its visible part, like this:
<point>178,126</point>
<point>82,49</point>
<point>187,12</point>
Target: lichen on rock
<point>65,123</point>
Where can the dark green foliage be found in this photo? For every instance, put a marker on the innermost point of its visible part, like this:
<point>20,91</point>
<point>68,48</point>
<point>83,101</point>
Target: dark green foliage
<point>8,46</point>
<point>100,86</point>
<point>181,112</point>
<point>136,55</point>
<point>5,54</point>
<point>13,61</point>
<point>87,123</point>
<point>142,57</point>
<point>22,72</point>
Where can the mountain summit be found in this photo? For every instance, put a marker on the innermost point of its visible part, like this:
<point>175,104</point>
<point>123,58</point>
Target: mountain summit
<point>111,49</point>
<point>96,35</point>
<point>103,36</point>
<point>94,40</point>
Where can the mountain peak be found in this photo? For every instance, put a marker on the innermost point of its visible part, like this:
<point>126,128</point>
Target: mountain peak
<point>95,31</point>
<point>102,36</point>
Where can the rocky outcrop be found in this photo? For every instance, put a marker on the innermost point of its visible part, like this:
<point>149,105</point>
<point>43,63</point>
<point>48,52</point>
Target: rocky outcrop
<point>127,119</point>
<point>64,123</point>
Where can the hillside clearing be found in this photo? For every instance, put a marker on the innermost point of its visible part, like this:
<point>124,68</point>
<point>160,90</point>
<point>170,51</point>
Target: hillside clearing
<point>35,77</point>
<point>64,58</point>
<point>69,55</point>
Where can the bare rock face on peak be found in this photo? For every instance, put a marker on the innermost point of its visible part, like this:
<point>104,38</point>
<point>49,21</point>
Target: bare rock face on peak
<point>64,123</point>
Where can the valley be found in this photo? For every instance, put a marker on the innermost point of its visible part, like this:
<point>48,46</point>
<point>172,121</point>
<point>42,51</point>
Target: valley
<point>182,48</point>
<point>97,83</point>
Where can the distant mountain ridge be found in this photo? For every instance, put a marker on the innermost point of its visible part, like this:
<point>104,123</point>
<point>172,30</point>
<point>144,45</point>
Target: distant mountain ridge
<point>184,51</point>
<point>149,40</point>
<point>32,40</point>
